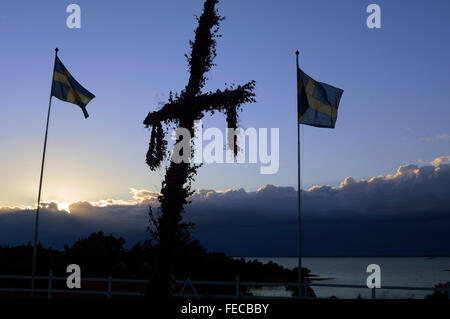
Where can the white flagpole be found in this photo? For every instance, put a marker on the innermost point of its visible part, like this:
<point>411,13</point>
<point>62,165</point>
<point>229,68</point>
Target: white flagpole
<point>299,217</point>
<point>36,223</point>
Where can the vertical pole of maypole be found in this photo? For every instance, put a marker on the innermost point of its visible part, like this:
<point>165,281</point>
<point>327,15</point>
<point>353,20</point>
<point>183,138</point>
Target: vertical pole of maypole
<point>36,223</point>
<point>299,216</point>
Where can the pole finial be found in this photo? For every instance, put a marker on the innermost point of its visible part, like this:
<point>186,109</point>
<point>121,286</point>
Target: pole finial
<point>56,50</point>
<point>297,53</point>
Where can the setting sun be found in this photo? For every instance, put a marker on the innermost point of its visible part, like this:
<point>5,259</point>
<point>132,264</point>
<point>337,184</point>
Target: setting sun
<point>64,206</point>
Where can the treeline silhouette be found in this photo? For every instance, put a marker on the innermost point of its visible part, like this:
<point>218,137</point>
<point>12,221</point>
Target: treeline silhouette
<point>101,255</point>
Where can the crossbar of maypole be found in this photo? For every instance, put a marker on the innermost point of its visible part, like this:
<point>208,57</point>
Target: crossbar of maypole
<point>36,223</point>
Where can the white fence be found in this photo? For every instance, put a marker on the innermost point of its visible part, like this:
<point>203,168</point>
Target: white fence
<point>192,284</point>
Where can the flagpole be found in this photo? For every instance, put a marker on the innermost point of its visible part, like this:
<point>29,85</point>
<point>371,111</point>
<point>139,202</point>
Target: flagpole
<point>36,223</point>
<point>299,216</point>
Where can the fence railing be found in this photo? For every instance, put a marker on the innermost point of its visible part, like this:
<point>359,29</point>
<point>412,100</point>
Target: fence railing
<point>192,291</point>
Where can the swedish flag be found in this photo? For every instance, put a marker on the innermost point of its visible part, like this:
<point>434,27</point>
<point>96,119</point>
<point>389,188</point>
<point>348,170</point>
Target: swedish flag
<point>66,88</point>
<point>317,102</point>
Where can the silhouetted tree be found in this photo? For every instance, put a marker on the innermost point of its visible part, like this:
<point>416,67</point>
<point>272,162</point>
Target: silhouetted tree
<point>439,294</point>
<point>182,110</point>
<point>97,254</point>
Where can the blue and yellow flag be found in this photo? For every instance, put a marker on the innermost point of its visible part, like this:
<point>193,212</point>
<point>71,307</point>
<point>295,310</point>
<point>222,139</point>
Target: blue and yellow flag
<point>66,88</point>
<point>317,102</point>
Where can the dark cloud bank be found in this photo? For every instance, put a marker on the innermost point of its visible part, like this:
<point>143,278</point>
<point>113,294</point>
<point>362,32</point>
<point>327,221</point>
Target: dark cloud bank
<point>407,213</point>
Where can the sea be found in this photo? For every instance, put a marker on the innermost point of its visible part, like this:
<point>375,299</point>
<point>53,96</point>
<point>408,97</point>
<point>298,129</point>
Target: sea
<point>395,271</point>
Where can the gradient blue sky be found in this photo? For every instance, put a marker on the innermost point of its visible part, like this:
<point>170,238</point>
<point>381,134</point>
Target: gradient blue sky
<point>130,55</point>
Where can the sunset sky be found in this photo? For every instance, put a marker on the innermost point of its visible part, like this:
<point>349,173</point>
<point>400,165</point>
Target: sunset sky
<point>394,110</point>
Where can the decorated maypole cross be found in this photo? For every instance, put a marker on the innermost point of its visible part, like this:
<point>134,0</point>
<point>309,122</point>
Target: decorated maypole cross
<point>182,110</point>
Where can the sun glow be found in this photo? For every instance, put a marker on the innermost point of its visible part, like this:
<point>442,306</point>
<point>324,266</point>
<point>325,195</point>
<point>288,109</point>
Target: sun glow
<point>63,206</point>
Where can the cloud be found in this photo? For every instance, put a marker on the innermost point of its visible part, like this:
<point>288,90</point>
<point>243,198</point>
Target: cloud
<point>406,212</point>
<point>439,137</point>
<point>143,195</point>
<point>439,160</point>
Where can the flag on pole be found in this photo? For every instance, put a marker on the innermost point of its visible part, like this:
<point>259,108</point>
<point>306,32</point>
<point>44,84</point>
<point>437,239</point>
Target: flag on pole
<point>67,89</point>
<point>317,102</point>
<point>317,105</point>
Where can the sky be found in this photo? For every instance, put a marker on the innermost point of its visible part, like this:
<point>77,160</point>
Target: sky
<point>394,110</point>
